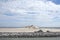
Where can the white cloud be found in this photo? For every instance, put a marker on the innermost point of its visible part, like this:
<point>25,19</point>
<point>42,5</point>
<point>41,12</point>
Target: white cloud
<point>38,10</point>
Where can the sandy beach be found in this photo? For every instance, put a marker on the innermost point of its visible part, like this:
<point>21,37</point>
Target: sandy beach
<point>27,29</point>
<point>17,30</point>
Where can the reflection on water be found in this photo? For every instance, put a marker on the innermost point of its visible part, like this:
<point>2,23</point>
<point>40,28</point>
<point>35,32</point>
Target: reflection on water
<point>44,38</point>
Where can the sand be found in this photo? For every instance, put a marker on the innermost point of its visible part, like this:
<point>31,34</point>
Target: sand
<point>17,30</point>
<point>27,29</point>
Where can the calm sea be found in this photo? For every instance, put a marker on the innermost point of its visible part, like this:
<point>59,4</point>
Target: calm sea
<point>46,38</point>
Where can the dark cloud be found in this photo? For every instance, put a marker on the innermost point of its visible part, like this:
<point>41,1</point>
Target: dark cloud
<point>3,0</point>
<point>9,14</point>
<point>34,13</point>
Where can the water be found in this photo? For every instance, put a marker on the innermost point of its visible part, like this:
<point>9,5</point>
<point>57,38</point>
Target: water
<point>46,38</point>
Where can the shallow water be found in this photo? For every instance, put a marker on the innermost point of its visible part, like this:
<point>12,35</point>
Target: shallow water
<point>45,38</point>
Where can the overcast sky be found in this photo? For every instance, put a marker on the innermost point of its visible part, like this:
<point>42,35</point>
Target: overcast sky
<point>18,13</point>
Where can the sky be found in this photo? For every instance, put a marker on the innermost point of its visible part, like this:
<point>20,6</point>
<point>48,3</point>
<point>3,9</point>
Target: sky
<point>19,13</point>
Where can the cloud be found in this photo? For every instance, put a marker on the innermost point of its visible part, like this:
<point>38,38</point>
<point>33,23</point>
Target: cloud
<point>40,12</point>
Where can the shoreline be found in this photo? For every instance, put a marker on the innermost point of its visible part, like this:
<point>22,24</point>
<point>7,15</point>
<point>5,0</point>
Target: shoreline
<point>27,29</point>
<point>29,34</point>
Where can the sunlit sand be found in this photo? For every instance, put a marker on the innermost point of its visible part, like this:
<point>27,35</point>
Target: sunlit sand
<point>27,29</point>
